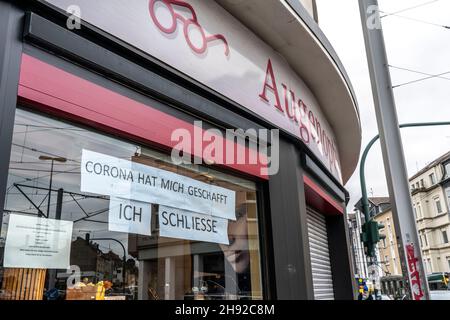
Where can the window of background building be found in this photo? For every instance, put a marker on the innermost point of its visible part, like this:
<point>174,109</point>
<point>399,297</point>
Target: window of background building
<point>444,236</point>
<point>447,191</point>
<point>430,266</point>
<point>447,169</point>
<point>426,239</point>
<point>438,206</point>
<point>133,266</point>
<point>448,264</point>
<point>432,179</point>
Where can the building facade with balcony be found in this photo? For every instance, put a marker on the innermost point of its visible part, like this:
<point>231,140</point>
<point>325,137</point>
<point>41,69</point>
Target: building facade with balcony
<point>430,194</point>
<point>430,197</point>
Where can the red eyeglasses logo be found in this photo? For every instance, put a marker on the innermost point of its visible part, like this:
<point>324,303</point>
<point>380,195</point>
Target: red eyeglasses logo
<point>188,23</point>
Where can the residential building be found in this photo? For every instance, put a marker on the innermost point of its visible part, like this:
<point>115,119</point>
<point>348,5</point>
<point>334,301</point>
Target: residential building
<point>387,248</point>
<point>377,206</point>
<point>96,264</point>
<point>358,254</point>
<point>430,194</point>
<point>430,190</point>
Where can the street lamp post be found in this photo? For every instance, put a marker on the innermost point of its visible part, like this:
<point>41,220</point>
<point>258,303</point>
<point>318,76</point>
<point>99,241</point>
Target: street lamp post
<point>52,273</point>
<point>394,159</point>
<point>52,159</point>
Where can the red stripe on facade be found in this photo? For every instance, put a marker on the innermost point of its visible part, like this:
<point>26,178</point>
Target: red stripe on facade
<point>58,92</point>
<point>321,201</point>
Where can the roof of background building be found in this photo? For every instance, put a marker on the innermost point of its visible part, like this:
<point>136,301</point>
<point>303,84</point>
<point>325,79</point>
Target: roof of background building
<point>387,209</point>
<point>380,200</point>
<point>432,164</point>
<point>375,201</point>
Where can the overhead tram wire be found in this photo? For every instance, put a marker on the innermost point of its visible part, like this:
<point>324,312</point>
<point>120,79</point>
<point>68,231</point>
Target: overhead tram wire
<point>419,20</point>
<point>419,72</point>
<point>422,79</point>
<point>408,9</point>
<point>396,14</point>
<point>428,76</point>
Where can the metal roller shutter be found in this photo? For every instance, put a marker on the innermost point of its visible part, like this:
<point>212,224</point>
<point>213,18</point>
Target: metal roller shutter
<point>320,256</point>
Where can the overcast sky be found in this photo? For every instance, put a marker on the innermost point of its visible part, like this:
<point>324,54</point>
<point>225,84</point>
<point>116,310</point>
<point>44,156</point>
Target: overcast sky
<point>411,45</point>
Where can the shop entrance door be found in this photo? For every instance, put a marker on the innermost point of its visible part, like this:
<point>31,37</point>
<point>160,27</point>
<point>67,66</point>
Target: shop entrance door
<point>320,256</point>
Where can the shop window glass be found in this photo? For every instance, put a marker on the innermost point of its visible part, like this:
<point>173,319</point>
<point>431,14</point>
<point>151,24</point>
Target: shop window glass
<point>125,259</point>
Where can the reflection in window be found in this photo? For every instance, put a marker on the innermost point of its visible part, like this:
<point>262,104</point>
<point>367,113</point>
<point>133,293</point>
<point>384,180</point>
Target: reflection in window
<point>47,153</point>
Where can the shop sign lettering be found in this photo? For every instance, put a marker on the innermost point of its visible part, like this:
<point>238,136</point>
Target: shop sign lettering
<point>203,41</point>
<point>296,111</point>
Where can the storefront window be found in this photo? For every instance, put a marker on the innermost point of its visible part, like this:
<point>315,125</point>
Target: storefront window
<point>98,234</point>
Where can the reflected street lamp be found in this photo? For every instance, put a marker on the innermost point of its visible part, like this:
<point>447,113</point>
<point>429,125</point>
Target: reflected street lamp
<point>52,159</point>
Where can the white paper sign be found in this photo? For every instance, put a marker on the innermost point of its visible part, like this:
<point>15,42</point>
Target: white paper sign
<point>33,242</point>
<point>130,216</point>
<point>182,224</point>
<point>103,174</point>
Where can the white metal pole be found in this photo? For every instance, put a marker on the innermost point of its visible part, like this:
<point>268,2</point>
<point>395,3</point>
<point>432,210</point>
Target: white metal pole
<point>393,156</point>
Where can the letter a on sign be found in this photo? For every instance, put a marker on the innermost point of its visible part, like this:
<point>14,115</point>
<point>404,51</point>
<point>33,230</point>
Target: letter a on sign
<point>130,216</point>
